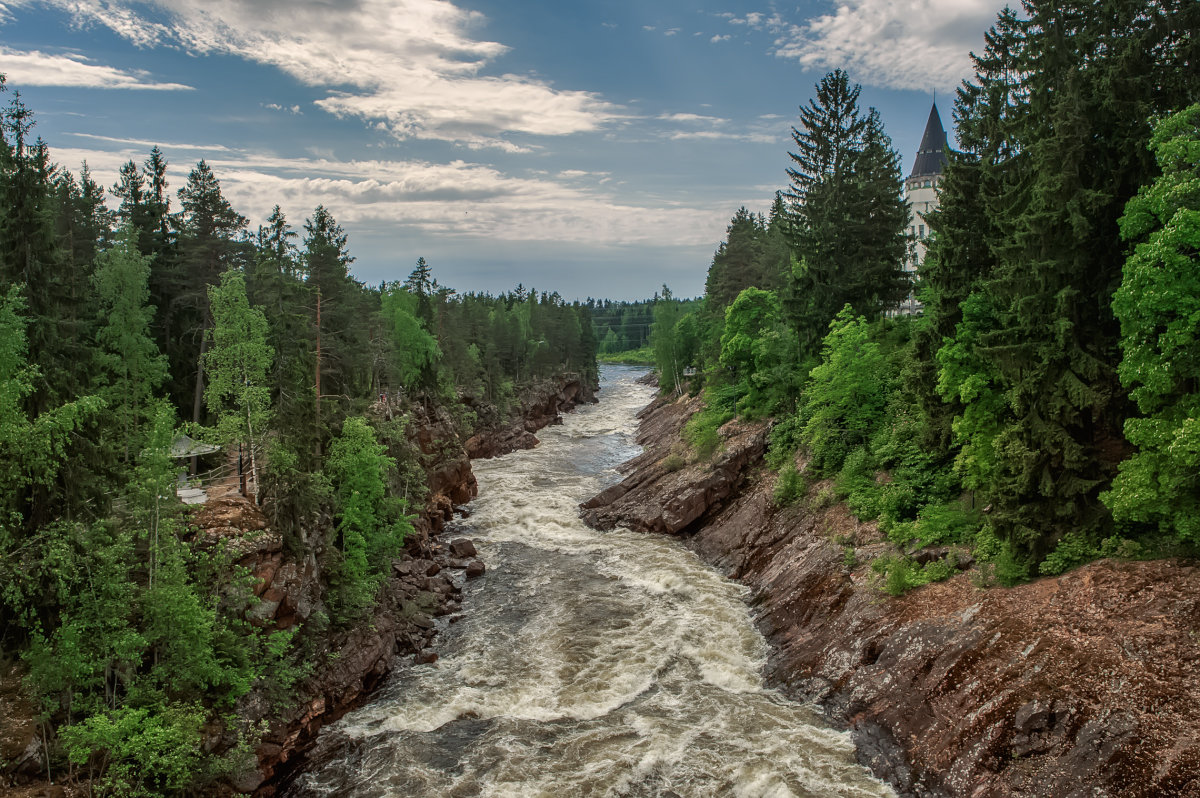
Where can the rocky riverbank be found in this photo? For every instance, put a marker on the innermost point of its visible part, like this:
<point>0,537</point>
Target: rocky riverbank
<point>1083,684</point>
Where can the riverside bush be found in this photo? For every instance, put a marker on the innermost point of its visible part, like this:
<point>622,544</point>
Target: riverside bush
<point>701,431</point>
<point>790,487</point>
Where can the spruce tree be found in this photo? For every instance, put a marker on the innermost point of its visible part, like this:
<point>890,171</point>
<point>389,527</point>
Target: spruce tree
<point>133,367</point>
<point>848,220</point>
<point>208,246</point>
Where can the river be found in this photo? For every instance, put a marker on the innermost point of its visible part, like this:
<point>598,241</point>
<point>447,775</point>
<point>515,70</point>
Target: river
<point>586,663</point>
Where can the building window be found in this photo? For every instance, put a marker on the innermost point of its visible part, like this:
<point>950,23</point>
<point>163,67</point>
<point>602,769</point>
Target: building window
<point>921,234</point>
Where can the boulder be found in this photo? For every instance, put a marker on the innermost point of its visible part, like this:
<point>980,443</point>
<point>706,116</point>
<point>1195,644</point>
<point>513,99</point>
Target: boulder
<point>462,548</point>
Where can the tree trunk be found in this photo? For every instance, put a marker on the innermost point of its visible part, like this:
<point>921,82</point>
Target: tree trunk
<point>198,395</point>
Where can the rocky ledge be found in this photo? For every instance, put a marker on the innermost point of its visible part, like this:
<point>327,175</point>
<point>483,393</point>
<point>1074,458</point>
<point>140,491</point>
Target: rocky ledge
<point>540,405</point>
<point>1080,685</point>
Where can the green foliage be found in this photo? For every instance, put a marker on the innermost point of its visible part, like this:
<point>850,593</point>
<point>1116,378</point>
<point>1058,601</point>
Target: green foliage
<point>937,524</point>
<point>900,574</point>
<point>674,339</point>
<point>415,351</point>
<point>372,528</point>
<point>790,487</point>
<point>757,353</point>
<point>844,402</point>
<point>1053,153</point>
<point>127,353</point>
<point>630,357</point>
<point>283,665</point>
<point>702,431</point>
<point>1158,305</point>
<point>848,222</point>
<point>139,751</point>
<point>237,365</point>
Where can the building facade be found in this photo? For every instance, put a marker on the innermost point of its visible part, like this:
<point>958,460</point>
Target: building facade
<point>920,189</point>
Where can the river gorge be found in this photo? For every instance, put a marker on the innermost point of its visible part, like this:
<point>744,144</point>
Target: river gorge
<point>586,663</point>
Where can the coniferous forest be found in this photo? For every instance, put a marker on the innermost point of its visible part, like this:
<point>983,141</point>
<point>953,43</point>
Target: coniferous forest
<point>1040,410</point>
<point>123,332</point>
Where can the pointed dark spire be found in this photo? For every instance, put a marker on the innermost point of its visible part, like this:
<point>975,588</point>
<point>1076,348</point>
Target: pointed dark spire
<point>931,156</point>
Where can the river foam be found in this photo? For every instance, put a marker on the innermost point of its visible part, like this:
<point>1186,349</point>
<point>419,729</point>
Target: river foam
<point>587,663</point>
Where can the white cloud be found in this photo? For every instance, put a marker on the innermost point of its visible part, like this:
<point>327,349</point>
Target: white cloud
<point>416,66</point>
<point>291,109</point>
<point>714,128</point>
<point>425,197</point>
<point>902,44</point>
<point>35,68</point>
<point>719,38</point>
<point>692,118</point>
<point>649,27</point>
<point>714,135</point>
<point>147,144</point>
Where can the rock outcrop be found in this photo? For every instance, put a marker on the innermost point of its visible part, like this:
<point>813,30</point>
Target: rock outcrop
<point>538,406</point>
<point>1083,684</point>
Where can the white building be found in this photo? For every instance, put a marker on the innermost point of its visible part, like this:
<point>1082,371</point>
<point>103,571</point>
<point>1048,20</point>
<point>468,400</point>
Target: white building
<point>920,189</point>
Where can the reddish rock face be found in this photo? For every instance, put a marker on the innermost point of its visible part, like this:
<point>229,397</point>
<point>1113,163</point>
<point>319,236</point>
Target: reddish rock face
<point>1084,684</point>
<point>539,406</point>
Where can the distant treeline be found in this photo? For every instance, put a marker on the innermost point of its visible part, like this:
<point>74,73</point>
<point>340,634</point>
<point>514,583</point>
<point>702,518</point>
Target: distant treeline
<point>623,326</point>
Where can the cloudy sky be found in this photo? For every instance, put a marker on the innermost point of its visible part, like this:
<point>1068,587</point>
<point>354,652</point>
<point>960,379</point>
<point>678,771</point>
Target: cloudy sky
<point>593,148</point>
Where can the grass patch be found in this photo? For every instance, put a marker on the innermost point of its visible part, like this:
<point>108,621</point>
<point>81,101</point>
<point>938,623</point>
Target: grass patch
<point>701,431</point>
<point>631,357</point>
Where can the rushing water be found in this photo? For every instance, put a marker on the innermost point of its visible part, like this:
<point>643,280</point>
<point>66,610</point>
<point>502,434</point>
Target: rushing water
<point>587,663</point>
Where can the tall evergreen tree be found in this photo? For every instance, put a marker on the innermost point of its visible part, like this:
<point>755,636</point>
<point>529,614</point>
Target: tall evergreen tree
<point>133,366</point>
<point>735,263</point>
<point>848,220</point>
<point>1061,112</point>
<point>208,246</point>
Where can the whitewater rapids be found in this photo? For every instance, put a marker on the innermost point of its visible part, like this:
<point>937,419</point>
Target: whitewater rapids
<point>586,663</point>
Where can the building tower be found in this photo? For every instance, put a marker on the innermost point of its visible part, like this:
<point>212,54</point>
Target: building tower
<point>920,189</point>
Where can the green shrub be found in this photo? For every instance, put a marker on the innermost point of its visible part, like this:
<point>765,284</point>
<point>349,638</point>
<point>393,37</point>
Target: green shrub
<point>790,487</point>
<point>701,431</point>
<point>900,574</point>
<point>937,525</point>
<point>1072,550</point>
<point>139,751</point>
<point>673,462</point>
<point>1000,558</point>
